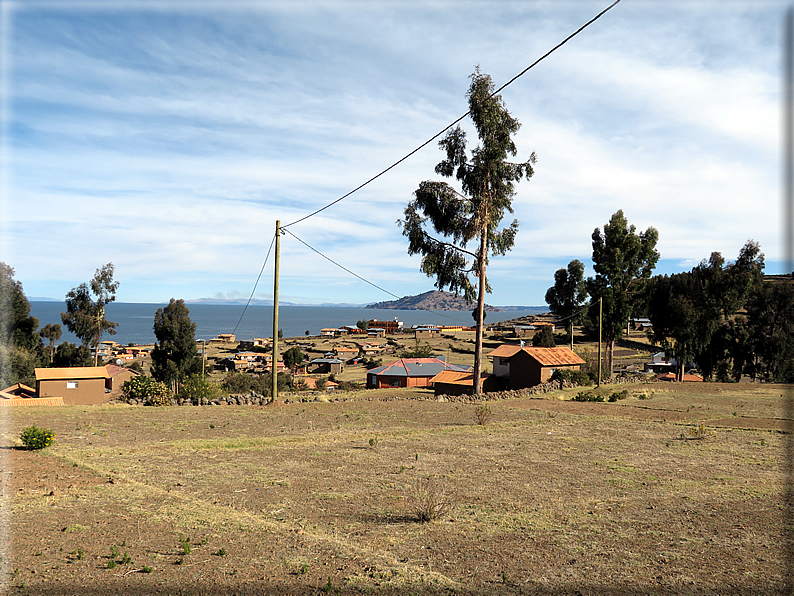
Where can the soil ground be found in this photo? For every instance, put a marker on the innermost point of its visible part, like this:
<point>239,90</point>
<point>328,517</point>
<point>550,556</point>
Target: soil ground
<point>676,489</point>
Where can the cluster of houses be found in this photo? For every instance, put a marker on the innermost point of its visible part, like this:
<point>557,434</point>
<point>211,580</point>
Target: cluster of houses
<point>514,367</point>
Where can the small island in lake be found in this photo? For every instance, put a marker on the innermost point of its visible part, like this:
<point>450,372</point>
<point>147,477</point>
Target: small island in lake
<point>433,300</point>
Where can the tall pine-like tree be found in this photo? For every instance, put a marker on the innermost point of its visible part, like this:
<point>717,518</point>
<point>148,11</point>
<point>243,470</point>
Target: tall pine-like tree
<point>175,356</point>
<point>456,231</point>
<point>623,259</point>
<point>566,296</point>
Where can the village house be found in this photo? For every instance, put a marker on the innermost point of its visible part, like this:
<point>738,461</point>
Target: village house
<point>409,372</point>
<point>320,366</point>
<point>523,367</point>
<point>389,327</point>
<point>450,382</point>
<point>371,349</point>
<point>427,332</point>
<point>345,353</point>
<point>332,332</point>
<point>77,386</point>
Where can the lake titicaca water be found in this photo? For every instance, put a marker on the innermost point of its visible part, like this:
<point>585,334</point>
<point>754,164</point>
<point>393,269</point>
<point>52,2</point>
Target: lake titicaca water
<point>135,321</point>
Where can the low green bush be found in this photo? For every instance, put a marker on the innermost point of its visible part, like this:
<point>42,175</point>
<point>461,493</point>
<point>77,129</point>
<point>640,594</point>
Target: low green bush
<point>619,395</point>
<point>196,388</point>
<point>34,437</point>
<point>588,396</point>
<point>579,377</point>
<point>154,393</point>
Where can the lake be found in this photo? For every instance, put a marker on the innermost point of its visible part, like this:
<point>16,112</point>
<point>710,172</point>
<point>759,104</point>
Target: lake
<point>135,321</point>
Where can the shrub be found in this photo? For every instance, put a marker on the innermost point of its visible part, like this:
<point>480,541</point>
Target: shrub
<point>196,388</point>
<point>154,393</point>
<point>580,377</point>
<point>619,395</point>
<point>483,414</point>
<point>429,500</point>
<point>34,437</point>
<point>588,396</point>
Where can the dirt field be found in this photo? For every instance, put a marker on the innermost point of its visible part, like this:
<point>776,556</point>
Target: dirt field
<point>549,497</point>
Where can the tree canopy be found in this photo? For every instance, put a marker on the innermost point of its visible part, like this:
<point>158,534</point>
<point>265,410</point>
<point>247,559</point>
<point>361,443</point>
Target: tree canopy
<point>19,338</point>
<point>464,224</point>
<point>175,356</point>
<point>691,311</point>
<point>85,308</point>
<point>623,260</point>
<point>292,357</point>
<point>566,296</point>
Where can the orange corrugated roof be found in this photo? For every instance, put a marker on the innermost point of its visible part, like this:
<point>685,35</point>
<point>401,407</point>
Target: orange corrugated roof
<point>75,372</point>
<point>505,351</point>
<point>453,377</point>
<point>554,356</point>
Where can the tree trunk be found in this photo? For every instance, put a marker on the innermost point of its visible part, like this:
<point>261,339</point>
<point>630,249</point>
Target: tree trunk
<point>477,387</point>
<point>611,358</point>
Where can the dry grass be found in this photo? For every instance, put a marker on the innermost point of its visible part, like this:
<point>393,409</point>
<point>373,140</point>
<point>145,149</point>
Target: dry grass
<point>553,496</point>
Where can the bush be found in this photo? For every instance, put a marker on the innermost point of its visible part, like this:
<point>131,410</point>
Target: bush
<point>154,393</point>
<point>429,500</point>
<point>34,437</point>
<point>588,396</point>
<point>196,389</point>
<point>482,414</point>
<point>619,395</point>
<point>579,377</point>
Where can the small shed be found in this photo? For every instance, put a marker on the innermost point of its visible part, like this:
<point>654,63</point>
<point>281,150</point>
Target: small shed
<point>325,366</point>
<point>450,382</point>
<point>78,386</point>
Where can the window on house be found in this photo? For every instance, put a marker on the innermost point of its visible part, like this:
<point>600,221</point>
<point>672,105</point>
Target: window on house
<point>71,384</point>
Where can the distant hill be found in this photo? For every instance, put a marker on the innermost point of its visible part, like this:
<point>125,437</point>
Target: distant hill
<point>433,300</point>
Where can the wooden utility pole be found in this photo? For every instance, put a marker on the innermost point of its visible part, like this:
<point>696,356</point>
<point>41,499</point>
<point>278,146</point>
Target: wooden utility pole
<point>274,366</point>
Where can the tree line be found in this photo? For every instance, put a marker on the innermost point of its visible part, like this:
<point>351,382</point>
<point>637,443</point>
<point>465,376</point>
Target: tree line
<point>721,316</point>
<point>24,347</point>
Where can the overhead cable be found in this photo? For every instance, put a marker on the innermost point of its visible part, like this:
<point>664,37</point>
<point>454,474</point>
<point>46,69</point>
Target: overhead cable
<point>438,134</point>
<point>258,277</point>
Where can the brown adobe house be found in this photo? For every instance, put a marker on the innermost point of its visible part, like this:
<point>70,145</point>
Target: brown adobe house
<point>525,367</point>
<point>77,386</point>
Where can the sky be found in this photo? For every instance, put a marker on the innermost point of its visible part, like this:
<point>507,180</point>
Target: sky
<point>169,137</point>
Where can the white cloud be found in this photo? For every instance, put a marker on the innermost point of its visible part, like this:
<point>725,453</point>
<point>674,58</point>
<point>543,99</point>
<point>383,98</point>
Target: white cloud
<point>170,139</point>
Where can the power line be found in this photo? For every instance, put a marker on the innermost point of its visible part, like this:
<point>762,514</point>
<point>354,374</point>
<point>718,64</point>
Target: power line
<point>338,265</point>
<point>258,277</point>
<point>361,278</point>
<point>438,134</point>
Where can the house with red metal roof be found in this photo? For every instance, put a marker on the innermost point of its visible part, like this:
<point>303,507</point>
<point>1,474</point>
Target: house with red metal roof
<point>529,366</point>
<point>409,372</point>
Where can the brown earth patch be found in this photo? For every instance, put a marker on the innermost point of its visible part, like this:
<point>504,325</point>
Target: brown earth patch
<point>550,497</point>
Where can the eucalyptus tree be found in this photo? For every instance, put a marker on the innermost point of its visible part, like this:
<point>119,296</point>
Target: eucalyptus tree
<point>175,355</point>
<point>465,224</point>
<point>623,260</point>
<point>566,296</point>
<point>52,333</point>
<point>85,308</point>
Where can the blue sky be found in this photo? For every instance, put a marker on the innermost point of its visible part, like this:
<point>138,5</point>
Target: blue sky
<point>168,137</point>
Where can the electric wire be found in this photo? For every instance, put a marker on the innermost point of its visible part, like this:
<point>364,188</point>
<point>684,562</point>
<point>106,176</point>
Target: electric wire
<point>258,277</point>
<point>360,277</point>
<point>438,134</point>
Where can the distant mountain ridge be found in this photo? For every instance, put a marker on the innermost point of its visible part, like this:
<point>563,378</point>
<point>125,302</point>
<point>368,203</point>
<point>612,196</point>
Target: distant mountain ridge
<point>432,300</point>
